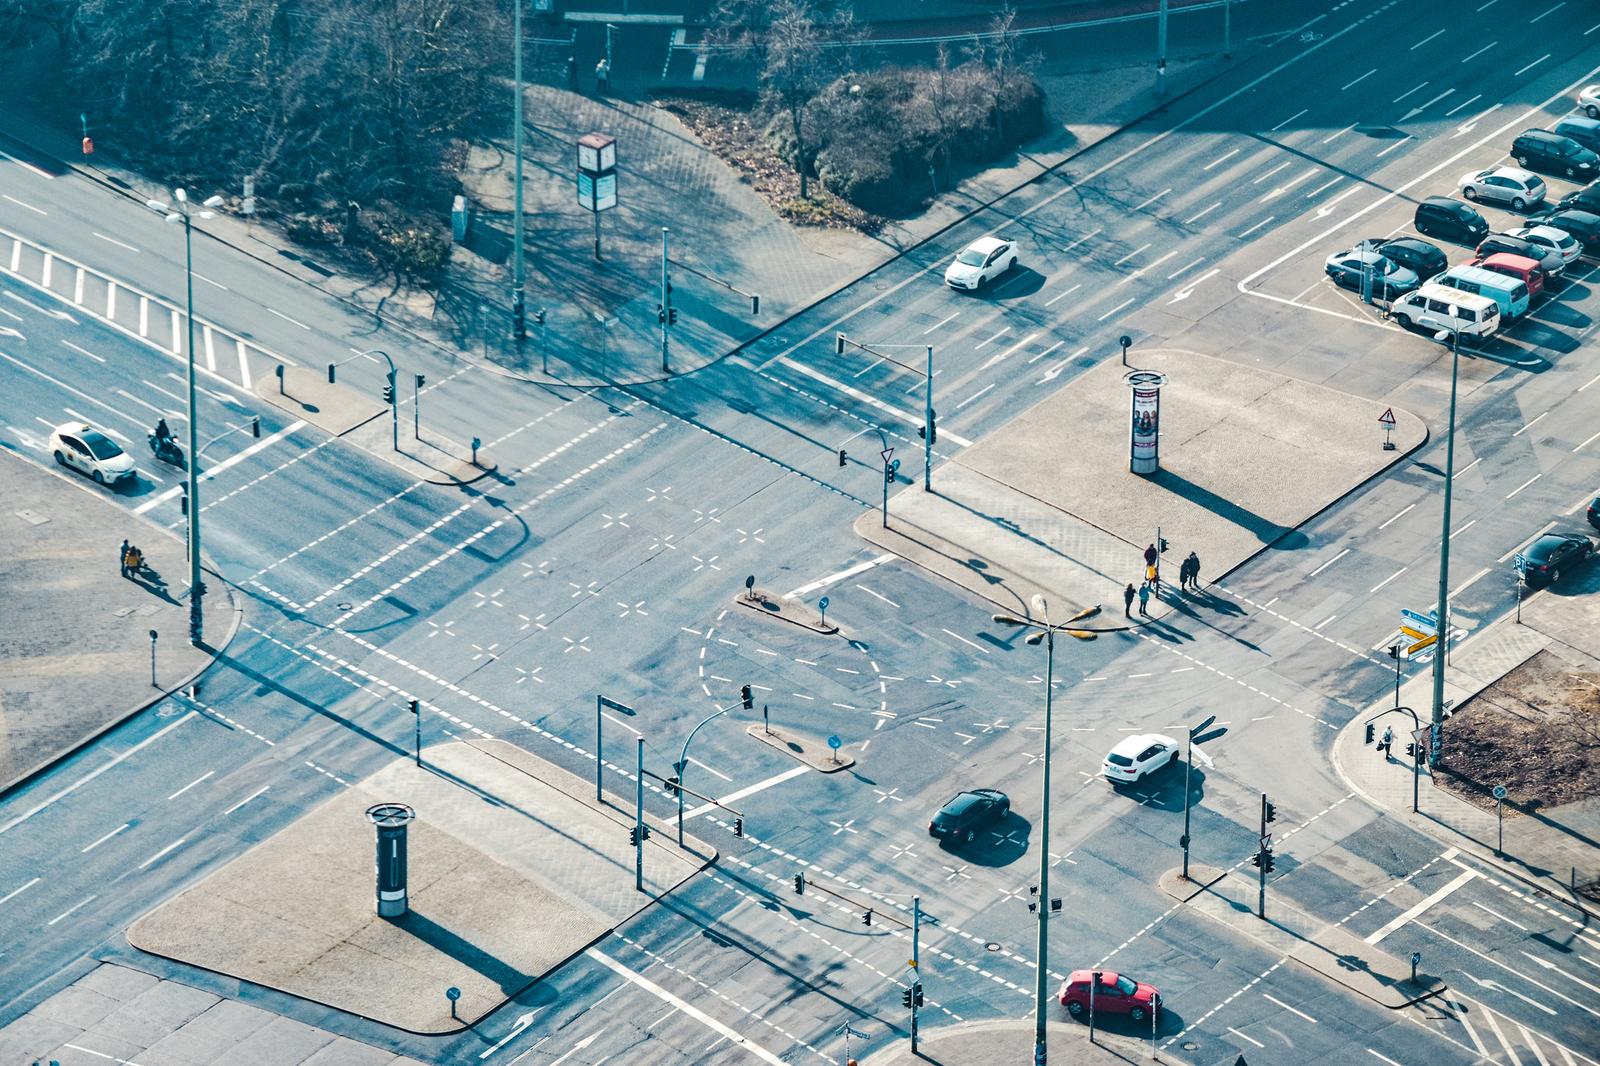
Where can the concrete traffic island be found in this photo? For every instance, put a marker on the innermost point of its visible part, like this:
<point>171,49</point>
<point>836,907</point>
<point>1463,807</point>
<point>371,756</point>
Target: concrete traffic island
<point>513,870</point>
<point>804,748</point>
<point>85,660</point>
<point>344,411</point>
<point>785,609</point>
<point>1047,503</point>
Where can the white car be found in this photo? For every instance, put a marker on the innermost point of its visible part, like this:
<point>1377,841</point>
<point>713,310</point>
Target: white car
<point>1556,240</point>
<point>82,447</point>
<point>1589,100</point>
<point>1138,755</point>
<point>1504,185</point>
<point>980,263</point>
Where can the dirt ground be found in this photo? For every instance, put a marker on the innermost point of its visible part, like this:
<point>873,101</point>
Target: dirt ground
<point>1536,731</point>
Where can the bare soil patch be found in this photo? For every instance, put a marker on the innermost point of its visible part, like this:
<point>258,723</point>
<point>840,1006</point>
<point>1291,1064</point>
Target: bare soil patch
<point>1536,731</point>
<point>729,125</point>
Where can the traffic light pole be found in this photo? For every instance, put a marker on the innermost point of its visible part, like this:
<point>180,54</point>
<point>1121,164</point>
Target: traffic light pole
<point>683,765</point>
<point>1261,890</point>
<point>1188,768</point>
<point>927,428</point>
<point>1435,740</point>
<point>638,820</point>
<point>916,969</point>
<point>666,300</point>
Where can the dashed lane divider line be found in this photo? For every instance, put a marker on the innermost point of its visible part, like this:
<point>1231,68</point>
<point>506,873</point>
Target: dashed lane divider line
<point>1158,642</point>
<point>1341,645</point>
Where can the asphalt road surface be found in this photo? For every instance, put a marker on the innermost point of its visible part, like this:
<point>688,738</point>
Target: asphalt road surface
<point>605,556</point>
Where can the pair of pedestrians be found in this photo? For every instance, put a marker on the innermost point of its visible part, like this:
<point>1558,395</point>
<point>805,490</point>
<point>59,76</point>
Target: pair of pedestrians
<point>1189,573</point>
<point>1143,593</point>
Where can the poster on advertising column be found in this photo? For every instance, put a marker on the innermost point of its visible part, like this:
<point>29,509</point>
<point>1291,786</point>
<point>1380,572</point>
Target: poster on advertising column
<point>1144,427</point>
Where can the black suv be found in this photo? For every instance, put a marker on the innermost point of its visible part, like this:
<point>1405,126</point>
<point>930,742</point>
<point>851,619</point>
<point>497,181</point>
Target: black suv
<point>1440,216</point>
<point>969,811</point>
<point>1585,199</point>
<point>1420,257</point>
<point>1546,557</point>
<point>1554,154</point>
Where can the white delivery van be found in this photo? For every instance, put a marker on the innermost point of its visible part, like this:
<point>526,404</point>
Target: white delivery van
<point>1434,307</point>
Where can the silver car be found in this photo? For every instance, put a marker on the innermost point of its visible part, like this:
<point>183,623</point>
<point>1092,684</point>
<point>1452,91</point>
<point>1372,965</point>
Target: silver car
<point>1551,239</point>
<point>1514,186</point>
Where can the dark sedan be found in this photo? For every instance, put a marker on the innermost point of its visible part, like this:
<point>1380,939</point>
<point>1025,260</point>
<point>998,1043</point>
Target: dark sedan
<point>1552,555</point>
<point>1421,258</point>
<point>1593,514</point>
<point>967,812</point>
<point>1357,268</point>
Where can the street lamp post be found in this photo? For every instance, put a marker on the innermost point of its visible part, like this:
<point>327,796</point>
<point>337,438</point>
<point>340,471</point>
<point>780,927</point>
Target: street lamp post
<point>519,326</point>
<point>182,213</point>
<point>683,764</point>
<point>1443,610</point>
<point>1042,631</point>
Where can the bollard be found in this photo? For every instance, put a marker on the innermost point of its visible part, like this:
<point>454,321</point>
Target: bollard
<point>153,683</point>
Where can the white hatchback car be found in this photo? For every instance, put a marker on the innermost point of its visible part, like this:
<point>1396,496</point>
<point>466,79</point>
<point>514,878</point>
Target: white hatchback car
<point>1138,755</point>
<point>82,447</point>
<point>1589,100</point>
<point>1513,186</point>
<point>981,262</point>
<point>1556,240</point>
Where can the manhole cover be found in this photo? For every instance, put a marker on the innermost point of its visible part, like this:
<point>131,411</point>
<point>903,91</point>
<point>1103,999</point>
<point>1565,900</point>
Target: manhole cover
<point>1189,1045</point>
<point>33,518</point>
<point>991,946</point>
<point>1310,35</point>
<point>343,606</point>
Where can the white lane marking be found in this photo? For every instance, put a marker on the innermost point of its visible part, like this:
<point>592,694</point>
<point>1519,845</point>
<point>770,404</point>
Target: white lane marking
<point>91,775</point>
<point>84,351</point>
<point>687,1008</point>
<point>709,769</point>
<point>1401,919</point>
<point>15,892</point>
<point>964,640</point>
<point>1242,1036</point>
<point>1494,1026</point>
<point>1396,517</point>
<point>748,790</point>
<point>191,784</point>
<point>1358,81</point>
<point>1336,134</point>
<point>208,281</point>
<point>1115,309</point>
<point>1192,219</point>
<point>1257,226</point>
<point>1062,295</point>
<point>613,718</point>
<point>1083,238</point>
<point>1545,529</point>
<point>19,203</point>
<point>1288,120</point>
<point>286,318</point>
<point>943,321</point>
<point>1463,105</point>
<point>1152,200</point>
<point>1417,88</point>
<point>1187,266</point>
<point>1426,39</point>
<point>212,471</point>
<point>1533,1045</point>
<point>1459,589</point>
<point>1462,529</point>
<point>247,799</point>
<point>974,396</point>
<point>1460,1013</point>
<point>1383,1058</point>
<point>244,367</point>
<point>992,338</point>
<point>1552,967</point>
<point>1589,441</point>
<point>823,582</point>
<point>1131,254</point>
<point>1329,563</point>
<point>1524,485</point>
<point>1291,1010</point>
<point>113,240</point>
<point>1229,154</point>
<point>210,348</point>
<point>1388,579</point>
<point>69,910</point>
<point>1552,11</point>
<point>1530,66</point>
<point>163,852</point>
<point>1480,51</point>
<point>1268,174</point>
<point>997,358</point>
<point>871,401</point>
<point>102,840</point>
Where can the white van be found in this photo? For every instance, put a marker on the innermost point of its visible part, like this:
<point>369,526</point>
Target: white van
<point>1434,307</point>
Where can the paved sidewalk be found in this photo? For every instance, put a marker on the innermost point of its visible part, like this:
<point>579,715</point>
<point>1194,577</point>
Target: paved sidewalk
<point>1548,849</point>
<point>513,869</point>
<point>1046,503</point>
<point>81,662</point>
<point>986,1043</point>
<point>115,1014</point>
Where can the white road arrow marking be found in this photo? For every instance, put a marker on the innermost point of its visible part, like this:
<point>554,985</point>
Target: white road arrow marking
<point>1188,290</point>
<point>7,331</point>
<point>1552,966</point>
<point>522,1023</point>
<point>1327,209</point>
<point>42,310</point>
<point>1472,124</point>
<point>1484,982</point>
<point>579,1046</point>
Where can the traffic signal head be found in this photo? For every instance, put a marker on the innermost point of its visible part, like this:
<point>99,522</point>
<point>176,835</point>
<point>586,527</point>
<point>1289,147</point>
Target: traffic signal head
<point>838,344</point>
<point>755,303</point>
<point>414,707</point>
<point>799,884</point>
<point>1411,750</point>
<point>905,997</point>
<point>633,835</point>
<point>916,994</point>
<point>538,318</point>
<point>1161,545</point>
<point>421,381</point>
<point>866,917</point>
<point>1255,860</point>
<point>738,827</point>
<point>672,786</point>
<point>330,374</point>
<point>1268,857</point>
<point>1372,732</point>
<point>388,393</point>
<point>661,313</point>
<point>1272,811</point>
<point>841,458</point>
<point>672,316</point>
<point>747,696</point>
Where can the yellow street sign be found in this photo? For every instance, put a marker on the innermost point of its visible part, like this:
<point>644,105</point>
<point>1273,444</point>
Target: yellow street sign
<point>1426,642</point>
<point>911,963</point>
<point>1416,634</point>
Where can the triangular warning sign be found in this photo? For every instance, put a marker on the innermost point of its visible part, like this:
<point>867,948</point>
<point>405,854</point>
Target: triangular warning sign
<point>1387,418</point>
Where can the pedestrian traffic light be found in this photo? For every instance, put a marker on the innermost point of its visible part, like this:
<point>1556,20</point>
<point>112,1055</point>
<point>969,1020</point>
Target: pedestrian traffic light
<point>1267,855</point>
<point>747,697</point>
<point>916,994</point>
<point>1271,811</point>
<point>1255,860</point>
<point>1161,545</point>
<point>672,316</point>
<point>421,381</point>
<point>866,917</point>
<point>738,827</point>
<point>905,998</point>
<point>388,392</point>
<point>799,884</point>
<point>633,835</point>
<point>1411,750</point>
<point>1372,731</point>
<point>644,831</point>
<point>88,146</point>
<point>672,786</point>
<point>414,707</point>
<point>661,314</point>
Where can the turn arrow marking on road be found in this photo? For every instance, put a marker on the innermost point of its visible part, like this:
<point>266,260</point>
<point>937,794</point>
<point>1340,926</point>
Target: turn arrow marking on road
<point>579,1046</point>
<point>1188,290</point>
<point>522,1023</point>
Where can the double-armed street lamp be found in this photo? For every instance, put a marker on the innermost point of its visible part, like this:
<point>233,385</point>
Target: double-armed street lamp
<point>181,212</point>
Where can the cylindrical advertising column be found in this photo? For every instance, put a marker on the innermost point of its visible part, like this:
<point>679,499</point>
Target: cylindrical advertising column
<point>391,820</point>
<point>1144,423</point>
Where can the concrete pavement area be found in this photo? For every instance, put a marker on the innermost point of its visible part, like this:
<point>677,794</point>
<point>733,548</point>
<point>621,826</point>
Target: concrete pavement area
<point>1046,503</point>
<point>78,657</point>
<point>1554,849</point>
<point>118,1014</point>
<point>511,874</point>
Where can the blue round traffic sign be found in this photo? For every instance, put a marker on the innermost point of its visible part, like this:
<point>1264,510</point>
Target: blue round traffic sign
<point>834,742</point>
<point>452,994</point>
<point>823,603</point>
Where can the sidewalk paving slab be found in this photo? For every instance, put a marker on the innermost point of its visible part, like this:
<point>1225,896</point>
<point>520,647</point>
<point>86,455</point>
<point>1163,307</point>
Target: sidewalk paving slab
<point>512,871</point>
<point>1047,504</point>
<point>1547,850</point>
<point>82,663</point>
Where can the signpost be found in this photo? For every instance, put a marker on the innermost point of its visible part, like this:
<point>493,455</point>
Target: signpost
<point>834,744</point>
<point>822,605</point>
<point>1387,421</point>
<point>597,177</point>
<point>1499,820</point>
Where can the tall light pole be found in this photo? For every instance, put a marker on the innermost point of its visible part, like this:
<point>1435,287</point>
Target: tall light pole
<point>1042,631</point>
<point>1443,608</point>
<point>519,323</point>
<point>183,213</point>
<point>1161,50</point>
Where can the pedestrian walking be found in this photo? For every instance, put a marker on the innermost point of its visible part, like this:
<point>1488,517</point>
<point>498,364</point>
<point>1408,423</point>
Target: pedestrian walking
<point>1127,600</point>
<point>122,558</point>
<point>1388,744</point>
<point>1151,555</point>
<point>1144,599</point>
<point>1194,571</point>
<point>602,77</point>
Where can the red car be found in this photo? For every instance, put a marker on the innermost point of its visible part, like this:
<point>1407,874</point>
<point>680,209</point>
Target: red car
<point>1115,994</point>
